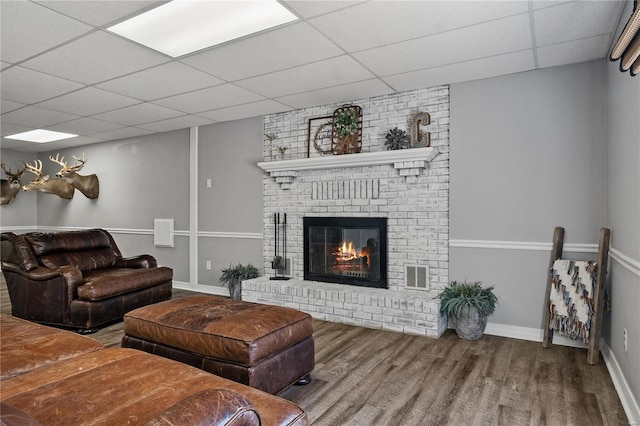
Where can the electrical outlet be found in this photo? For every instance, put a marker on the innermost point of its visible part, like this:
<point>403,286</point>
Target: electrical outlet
<point>208,183</point>
<point>208,265</point>
<point>624,341</point>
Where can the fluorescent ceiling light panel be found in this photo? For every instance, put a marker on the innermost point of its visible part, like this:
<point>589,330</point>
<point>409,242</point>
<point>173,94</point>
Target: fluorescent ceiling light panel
<point>184,26</point>
<point>41,136</point>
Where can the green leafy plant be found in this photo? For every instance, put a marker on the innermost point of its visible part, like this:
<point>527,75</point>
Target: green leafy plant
<point>346,122</point>
<point>458,298</point>
<point>234,274</point>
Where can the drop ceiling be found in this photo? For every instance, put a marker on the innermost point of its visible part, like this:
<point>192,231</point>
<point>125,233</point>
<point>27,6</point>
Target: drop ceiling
<point>62,70</point>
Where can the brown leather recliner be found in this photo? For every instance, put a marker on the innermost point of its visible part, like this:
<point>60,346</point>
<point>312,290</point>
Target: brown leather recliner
<point>78,279</point>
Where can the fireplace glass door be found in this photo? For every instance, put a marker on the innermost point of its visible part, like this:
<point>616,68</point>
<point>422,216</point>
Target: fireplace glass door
<point>346,250</point>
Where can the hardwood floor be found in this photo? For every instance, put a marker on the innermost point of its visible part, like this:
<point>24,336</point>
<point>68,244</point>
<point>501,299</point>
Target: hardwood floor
<point>375,377</point>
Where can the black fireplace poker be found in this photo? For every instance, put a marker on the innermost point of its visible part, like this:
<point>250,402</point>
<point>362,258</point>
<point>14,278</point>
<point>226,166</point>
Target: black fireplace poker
<point>279,262</point>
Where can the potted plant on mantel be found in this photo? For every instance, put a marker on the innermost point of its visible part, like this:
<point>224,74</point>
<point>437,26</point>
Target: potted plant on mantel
<point>347,130</point>
<point>233,277</point>
<point>469,306</point>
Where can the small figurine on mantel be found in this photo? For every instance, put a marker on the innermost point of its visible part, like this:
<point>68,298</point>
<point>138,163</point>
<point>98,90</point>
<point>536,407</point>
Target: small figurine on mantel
<point>282,150</point>
<point>271,137</point>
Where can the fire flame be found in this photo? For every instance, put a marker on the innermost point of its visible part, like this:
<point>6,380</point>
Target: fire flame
<point>347,252</point>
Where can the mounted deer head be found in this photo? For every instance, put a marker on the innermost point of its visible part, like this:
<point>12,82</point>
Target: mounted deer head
<point>88,185</point>
<point>59,187</point>
<point>10,187</point>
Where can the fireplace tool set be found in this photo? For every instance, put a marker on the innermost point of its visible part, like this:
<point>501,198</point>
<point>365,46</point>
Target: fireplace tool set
<point>279,262</point>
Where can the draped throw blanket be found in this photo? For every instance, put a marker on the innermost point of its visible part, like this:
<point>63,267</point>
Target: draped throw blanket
<point>571,303</point>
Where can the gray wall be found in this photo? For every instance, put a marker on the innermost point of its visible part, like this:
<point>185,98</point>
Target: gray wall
<point>140,179</point>
<point>22,213</point>
<point>228,154</point>
<point>623,216</point>
<point>527,155</point>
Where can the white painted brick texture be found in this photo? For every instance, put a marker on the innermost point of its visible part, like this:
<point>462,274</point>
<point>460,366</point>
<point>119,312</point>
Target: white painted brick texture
<point>413,196</point>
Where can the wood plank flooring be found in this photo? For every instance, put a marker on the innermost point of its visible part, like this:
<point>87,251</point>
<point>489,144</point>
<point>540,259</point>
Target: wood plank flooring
<point>374,377</point>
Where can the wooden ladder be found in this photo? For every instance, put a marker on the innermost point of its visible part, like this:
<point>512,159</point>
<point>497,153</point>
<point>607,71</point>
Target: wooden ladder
<point>593,354</point>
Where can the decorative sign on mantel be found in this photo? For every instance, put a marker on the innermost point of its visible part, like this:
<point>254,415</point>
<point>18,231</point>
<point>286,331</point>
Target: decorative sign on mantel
<point>408,161</point>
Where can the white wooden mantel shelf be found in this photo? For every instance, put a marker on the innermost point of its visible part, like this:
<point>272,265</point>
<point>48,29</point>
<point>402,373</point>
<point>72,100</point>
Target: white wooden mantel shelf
<point>408,161</point>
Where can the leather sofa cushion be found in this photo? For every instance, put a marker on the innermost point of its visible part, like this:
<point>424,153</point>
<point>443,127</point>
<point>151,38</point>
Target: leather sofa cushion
<point>11,416</point>
<point>27,346</point>
<point>210,407</point>
<point>85,260</point>
<point>44,243</point>
<point>117,386</point>
<point>28,259</point>
<point>221,328</point>
<point>108,282</point>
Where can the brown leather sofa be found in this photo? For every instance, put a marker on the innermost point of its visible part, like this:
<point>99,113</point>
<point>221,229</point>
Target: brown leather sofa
<point>78,279</point>
<point>56,377</point>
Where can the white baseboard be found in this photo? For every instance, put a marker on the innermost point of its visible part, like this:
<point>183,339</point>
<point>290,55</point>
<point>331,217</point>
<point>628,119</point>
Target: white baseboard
<point>208,289</point>
<point>629,403</point>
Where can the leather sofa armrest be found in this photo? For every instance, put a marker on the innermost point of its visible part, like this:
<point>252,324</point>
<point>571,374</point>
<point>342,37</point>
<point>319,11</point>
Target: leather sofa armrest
<point>141,261</point>
<point>71,275</point>
<point>211,407</point>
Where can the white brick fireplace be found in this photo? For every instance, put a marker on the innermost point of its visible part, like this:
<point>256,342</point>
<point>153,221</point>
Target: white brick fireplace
<point>408,187</point>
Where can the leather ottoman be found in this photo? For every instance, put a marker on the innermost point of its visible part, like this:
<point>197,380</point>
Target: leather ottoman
<point>263,346</point>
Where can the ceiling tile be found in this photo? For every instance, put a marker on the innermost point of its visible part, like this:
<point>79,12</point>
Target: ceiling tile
<point>266,52</point>
<point>11,129</point>
<point>36,118</point>
<point>88,101</point>
<point>7,106</point>
<point>138,114</point>
<point>28,86</point>
<point>95,58</point>
<point>207,99</point>
<point>161,81</point>
<point>99,13</point>
<point>28,29</point>
<point>404,20</point>
<point>67,143</point>
<point>19,145</point>
<point>319,75</point>
<point>184,122</point>
<point>464,71</point>
<point>244,111</point>
<point>123,133</point>
<point>308,9</point>
<point>85,126</point>
<point>583,50</point>
<point>575,20</point>
<point>332,95</point>
<point>498,37</point>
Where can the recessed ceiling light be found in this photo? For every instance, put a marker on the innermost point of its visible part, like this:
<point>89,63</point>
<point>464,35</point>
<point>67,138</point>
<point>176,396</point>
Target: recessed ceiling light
<point>41,136</point>
<point>184,26</point>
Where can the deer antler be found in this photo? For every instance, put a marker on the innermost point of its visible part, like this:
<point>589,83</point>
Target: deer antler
<point>10,172</point>
<point>58,160</point>
<point>36,169</point>
<point>78,167</point>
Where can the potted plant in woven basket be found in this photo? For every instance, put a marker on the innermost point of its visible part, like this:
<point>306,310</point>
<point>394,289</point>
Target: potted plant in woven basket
<point>347,130</point>
<point>469,306</point>
<point>233,277</point>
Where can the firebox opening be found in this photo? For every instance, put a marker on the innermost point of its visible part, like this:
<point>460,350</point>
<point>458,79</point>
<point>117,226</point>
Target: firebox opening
<point>346,250</point>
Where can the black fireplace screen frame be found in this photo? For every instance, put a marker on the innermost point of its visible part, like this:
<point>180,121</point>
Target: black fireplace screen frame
<point>348,223</point>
